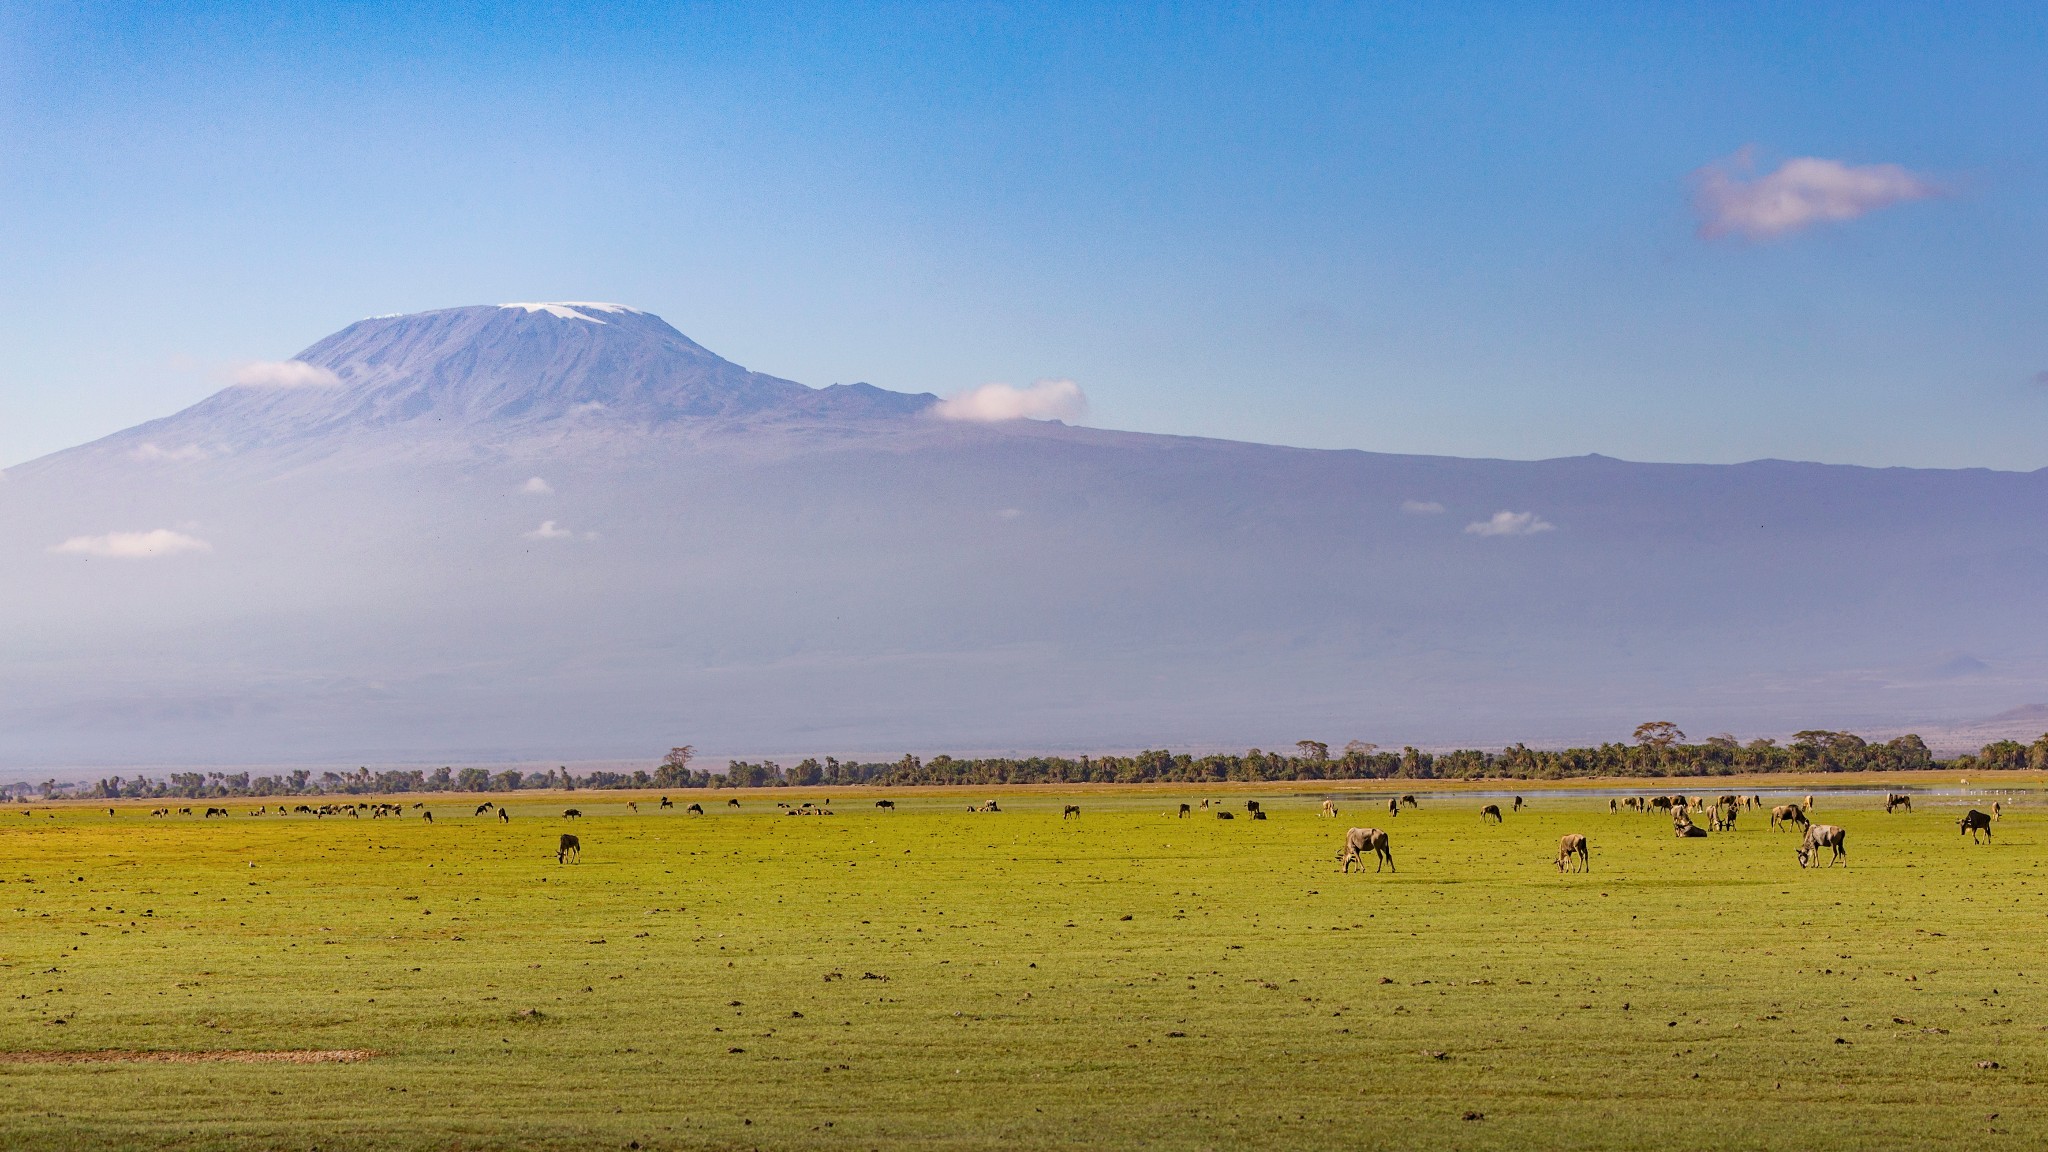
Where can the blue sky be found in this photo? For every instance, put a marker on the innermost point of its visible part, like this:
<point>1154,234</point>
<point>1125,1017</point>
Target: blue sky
<point>1474,231</point>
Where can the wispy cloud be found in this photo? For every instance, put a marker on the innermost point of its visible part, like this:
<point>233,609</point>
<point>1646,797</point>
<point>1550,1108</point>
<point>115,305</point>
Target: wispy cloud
<point>1510,524</point>
<point>1045,400</point>
<point>548,530</point>
<point>1803,192</point>
<point>156,452</point>
<point>149,545</point>
<point>1421,507</point>
<point>537,487</point>
<point>285,374</point>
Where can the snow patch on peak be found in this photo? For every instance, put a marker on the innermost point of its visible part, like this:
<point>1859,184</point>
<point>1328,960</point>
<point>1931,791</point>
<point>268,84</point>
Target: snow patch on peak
<point>573,309</point>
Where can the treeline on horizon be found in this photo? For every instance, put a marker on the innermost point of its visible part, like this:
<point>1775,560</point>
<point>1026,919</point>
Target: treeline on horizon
<point>1659,750</point>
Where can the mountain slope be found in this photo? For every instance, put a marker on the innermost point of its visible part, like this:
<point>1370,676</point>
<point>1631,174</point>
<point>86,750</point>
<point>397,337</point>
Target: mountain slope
<point>509,533</point>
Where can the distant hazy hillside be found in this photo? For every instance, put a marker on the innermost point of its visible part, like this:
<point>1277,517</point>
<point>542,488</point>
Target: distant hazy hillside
<point>538,531</point>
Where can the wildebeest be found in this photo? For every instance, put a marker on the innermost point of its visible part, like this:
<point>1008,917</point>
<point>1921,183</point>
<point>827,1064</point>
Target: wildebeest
<point>1329,808</point>
<point>1409,801</point>
<point>633,805</point>
<point>572,813</point>
<point>1897,800</point>
<point>571,846</point>
<point>1663,802</point>
<point>1689,831</point>
<point>1573,846</point>
<point>733,803</point>
<point>1974,822</point>
<point>1613,807</point>
<point>667,803</point>
<point>427,815</point>
<point>1819,836</point>
<point>1997,810</point>
<point>1518,803</point>
<point>483,807</point>
<point>1358,841</point>
<point>1185,810</point>
<point>1251,805</point>
<point>890,804</point>
<point>1492,810</point>
<point>1259,815</point>
<point>1393,807</point>
<point>986,806</point>
<point>212,812</point>
<point>1786,815</point>
<point>695,809</point>
<point>1073,810</point>
<point>1222,815</point>
<point>1808,806</point>
<point>504,817</point>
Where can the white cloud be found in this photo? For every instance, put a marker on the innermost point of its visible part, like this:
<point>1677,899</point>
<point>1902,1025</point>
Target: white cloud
<point>1804,191</point>
<point>154,452</point>
<point>537,487</point>
<point>132,545</point>
<point>1045,400</point>
<point>1510,524</point>
<point>285,374</point>
<point>549,531</point>
<point>1422,507</point>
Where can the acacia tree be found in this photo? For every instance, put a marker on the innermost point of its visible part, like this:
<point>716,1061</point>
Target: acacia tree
<point>1658,734</point>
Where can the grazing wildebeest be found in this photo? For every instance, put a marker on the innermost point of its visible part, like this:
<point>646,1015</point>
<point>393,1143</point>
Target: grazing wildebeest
<point>1974,822</point>
<point>1492,810</point>
<point>1897,800</point>
<point>1819,836</point>
<point>1997,810</point>
<point>1251,805</point>
<point>1786,815</point>
<point>1205,804</point>
<point>1518,803</point>
<point>1360,840</point>
<point>1808,806</point>
<point>697,809</point>
<point>667,803</point>
<point>633,805</point>
<point>1393,807</point>
<point>427,815</point>
<point>572,813</point>
<point>483,807</point>
<point>504,817</point>
<point>1663,802</point>
<point>1409,801</point>
<point>1185,810</point>
<point>890,804</point>
<point>1221,815</point>
<point>1073,810</point>
<point>733,803</point>
<point>1259,815</point>
<point>1329,808</point>
<point>1573,847</point>
<point>571,846</point>
<point>1613,807</point>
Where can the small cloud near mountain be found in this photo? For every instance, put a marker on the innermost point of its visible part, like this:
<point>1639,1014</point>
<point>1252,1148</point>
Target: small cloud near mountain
<point>1510,524</point>
<point>537,487</point>
<point>549,530</point>
<point>285,374</point>
<point>149,545</point>
<point>1045,400</point>
<point>1421,507</point>
<point>1803,192</point>
<point>154,453</point>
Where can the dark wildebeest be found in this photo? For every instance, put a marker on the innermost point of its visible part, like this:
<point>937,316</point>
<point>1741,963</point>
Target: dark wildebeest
<point>633,805</point>
<point>889,804</point>
<point>1819,836</point>
<point>1259,815</point>
<point>1358,841</point>
<point>427,815</point>
<point>1226,815</point>
<point>1688,830</point>
<point>571,846</point>
<point>1251,805</point>
<point>1518,803</point>
<point>1613,806</point>
<point>1393,807</point>
<point>1492,810</point>
<point>1897,800</point>
<point>1786,815</point>
<point>698,809</point>
<point>1410,802</point>
<point>1573,847</point>
<point>1663,802</point>
<point>504,817</point>
<point>667,803</point>
<point>1073,810</point>
<point>483,807</point>
<point>1185,809</point>
<point>572,814</point>
<point>1974,822</point>
<point>733,803</point>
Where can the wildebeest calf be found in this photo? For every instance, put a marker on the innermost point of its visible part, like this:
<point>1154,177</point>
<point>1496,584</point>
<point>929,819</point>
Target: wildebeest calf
<point>1974,822</point>
<point>571,846</point>
<point>1572,854</point>
<point>1358,841</point>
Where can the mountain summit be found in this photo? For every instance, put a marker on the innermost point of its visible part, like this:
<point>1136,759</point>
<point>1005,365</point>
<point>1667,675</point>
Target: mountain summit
<point>507,365</point>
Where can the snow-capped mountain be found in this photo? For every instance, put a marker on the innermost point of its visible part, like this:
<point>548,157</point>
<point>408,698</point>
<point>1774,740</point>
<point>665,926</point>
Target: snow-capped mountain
<point>567,530</point>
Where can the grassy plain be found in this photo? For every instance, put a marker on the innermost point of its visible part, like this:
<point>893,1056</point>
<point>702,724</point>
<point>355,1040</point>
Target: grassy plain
<point>931,978</point>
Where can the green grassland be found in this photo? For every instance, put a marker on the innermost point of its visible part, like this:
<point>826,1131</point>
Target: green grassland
<point>930,977</point>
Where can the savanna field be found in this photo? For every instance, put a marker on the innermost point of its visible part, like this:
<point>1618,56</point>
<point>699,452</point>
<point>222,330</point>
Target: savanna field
<point>930,977</point>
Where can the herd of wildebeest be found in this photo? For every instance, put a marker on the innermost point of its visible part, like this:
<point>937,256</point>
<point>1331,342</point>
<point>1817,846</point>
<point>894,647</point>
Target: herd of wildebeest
<point>1574,852</point>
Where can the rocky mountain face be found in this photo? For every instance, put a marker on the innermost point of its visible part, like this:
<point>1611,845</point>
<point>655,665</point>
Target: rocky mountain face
<point>568,531</point>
